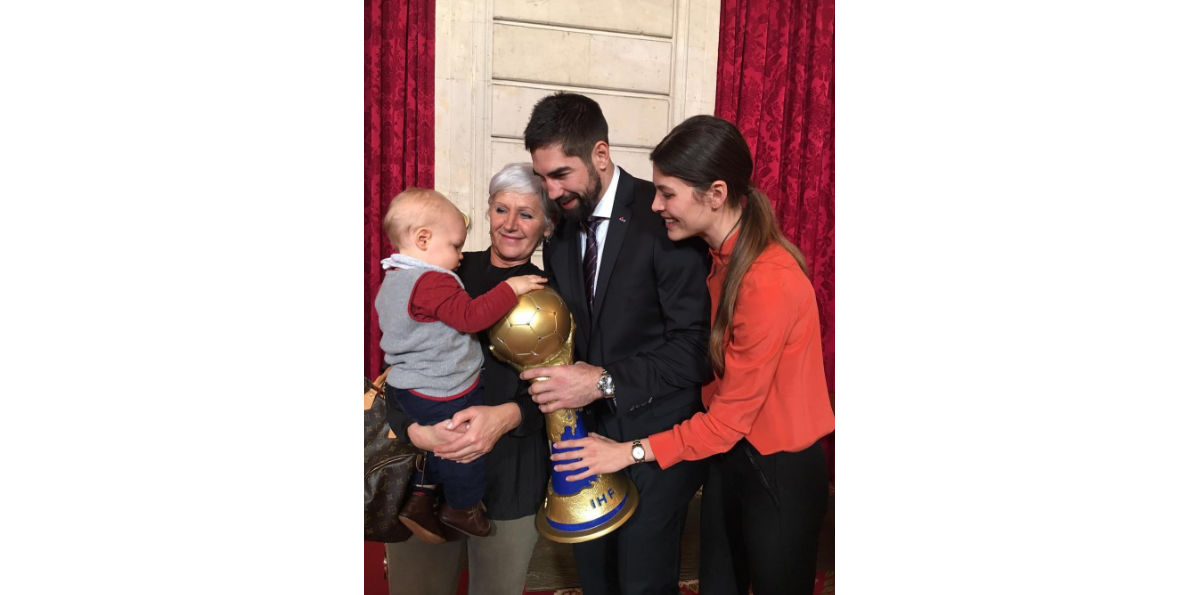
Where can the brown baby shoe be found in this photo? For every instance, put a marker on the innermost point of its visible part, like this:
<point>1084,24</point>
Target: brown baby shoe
<point>470,521</point>
<point>420,516</point>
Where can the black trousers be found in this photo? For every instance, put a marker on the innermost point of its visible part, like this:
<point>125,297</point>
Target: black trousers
<point>760,521</point>
<point>463,484</point>
<point>642,557</point>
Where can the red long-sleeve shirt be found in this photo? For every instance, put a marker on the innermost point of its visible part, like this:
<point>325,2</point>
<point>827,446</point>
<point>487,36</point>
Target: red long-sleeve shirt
<point>438,297</point>
<point>773,391</point>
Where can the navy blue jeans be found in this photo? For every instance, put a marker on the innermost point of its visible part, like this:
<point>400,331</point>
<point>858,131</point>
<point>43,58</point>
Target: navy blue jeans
<point>463,484</point>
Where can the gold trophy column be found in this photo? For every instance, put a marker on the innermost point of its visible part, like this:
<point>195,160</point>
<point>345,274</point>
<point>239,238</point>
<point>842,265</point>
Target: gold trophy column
<point>537,332</point>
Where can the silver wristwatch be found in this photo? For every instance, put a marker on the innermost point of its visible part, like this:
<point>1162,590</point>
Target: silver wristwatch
<point>639,453</point>
<point>605,384</point>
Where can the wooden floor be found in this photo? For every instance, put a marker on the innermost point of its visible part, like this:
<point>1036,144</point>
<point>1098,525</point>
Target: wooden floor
<point>553,567</point>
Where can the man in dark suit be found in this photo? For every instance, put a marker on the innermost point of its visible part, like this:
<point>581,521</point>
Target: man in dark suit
<point>641,312</point>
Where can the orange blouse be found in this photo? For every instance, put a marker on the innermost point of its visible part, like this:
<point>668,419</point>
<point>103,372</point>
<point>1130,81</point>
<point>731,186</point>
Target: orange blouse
<point>773,392</point>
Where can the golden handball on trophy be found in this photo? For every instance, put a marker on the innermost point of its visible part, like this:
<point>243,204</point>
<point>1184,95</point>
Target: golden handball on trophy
<point>537,332</point>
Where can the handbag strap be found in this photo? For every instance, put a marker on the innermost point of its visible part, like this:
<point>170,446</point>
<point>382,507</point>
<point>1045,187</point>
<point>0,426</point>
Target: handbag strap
<point>375,388</point>
<point>378,384</point>
<point>369,398</point>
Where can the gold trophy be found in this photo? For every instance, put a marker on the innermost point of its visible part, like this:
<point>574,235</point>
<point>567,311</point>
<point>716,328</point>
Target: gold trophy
<point>539,331</point>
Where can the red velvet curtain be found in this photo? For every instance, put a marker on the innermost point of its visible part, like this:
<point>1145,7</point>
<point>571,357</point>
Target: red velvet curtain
<point>775,82</point>
<point>398,154</point>
<point>399,130</point>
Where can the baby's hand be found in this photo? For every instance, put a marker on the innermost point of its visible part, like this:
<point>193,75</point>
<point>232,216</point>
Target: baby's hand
<point>525,283</point>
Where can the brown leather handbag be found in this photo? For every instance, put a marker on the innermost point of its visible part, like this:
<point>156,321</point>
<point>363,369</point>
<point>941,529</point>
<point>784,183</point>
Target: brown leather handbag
<point>389,465</point>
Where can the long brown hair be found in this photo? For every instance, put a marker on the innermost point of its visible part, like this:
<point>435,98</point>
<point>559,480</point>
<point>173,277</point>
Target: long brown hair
<point>700,151</point>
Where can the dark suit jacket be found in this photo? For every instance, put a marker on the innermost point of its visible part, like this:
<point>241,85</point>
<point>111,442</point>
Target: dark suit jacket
<point>651,322</point>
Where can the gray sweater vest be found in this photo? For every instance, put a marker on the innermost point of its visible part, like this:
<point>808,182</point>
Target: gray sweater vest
<point>427,357</point>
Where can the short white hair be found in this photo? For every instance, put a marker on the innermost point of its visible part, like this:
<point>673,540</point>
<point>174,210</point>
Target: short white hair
<point>519,178</point>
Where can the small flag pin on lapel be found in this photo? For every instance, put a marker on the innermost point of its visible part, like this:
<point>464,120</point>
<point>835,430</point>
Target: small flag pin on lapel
<point>621,219</point>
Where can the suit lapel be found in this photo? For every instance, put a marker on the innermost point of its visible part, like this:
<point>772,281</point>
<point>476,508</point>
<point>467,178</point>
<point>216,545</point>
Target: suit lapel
<point>574,291</point>
<point>617,225</point>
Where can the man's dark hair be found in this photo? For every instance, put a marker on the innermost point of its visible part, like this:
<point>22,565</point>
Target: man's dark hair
<point>568,119</point>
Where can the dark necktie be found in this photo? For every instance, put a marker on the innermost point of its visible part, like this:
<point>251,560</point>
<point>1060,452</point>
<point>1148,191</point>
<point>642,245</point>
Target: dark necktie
<point>590,257</point>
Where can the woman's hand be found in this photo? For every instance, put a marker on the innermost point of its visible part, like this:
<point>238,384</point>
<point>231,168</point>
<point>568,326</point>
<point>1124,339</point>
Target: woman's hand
<point>598,454</point>
<point>430,437</point>
<point>481,427</point>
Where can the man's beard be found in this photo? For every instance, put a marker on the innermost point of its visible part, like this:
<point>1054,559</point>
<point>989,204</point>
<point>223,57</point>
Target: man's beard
<point>584,203</point>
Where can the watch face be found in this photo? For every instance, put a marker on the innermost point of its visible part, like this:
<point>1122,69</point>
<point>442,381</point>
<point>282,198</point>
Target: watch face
<point>606,384</point>
<point>639,453</point>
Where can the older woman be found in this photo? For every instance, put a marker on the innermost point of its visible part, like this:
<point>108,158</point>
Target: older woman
<point>508,427</point>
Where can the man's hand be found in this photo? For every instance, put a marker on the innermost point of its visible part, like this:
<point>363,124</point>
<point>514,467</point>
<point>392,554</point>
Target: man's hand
<point>567,387</point>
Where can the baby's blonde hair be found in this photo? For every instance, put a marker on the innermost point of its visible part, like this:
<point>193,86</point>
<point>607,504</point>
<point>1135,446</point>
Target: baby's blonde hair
<point>412,209</point>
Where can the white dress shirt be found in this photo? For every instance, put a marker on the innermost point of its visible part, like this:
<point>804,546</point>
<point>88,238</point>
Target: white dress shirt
<point>603,209</point>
